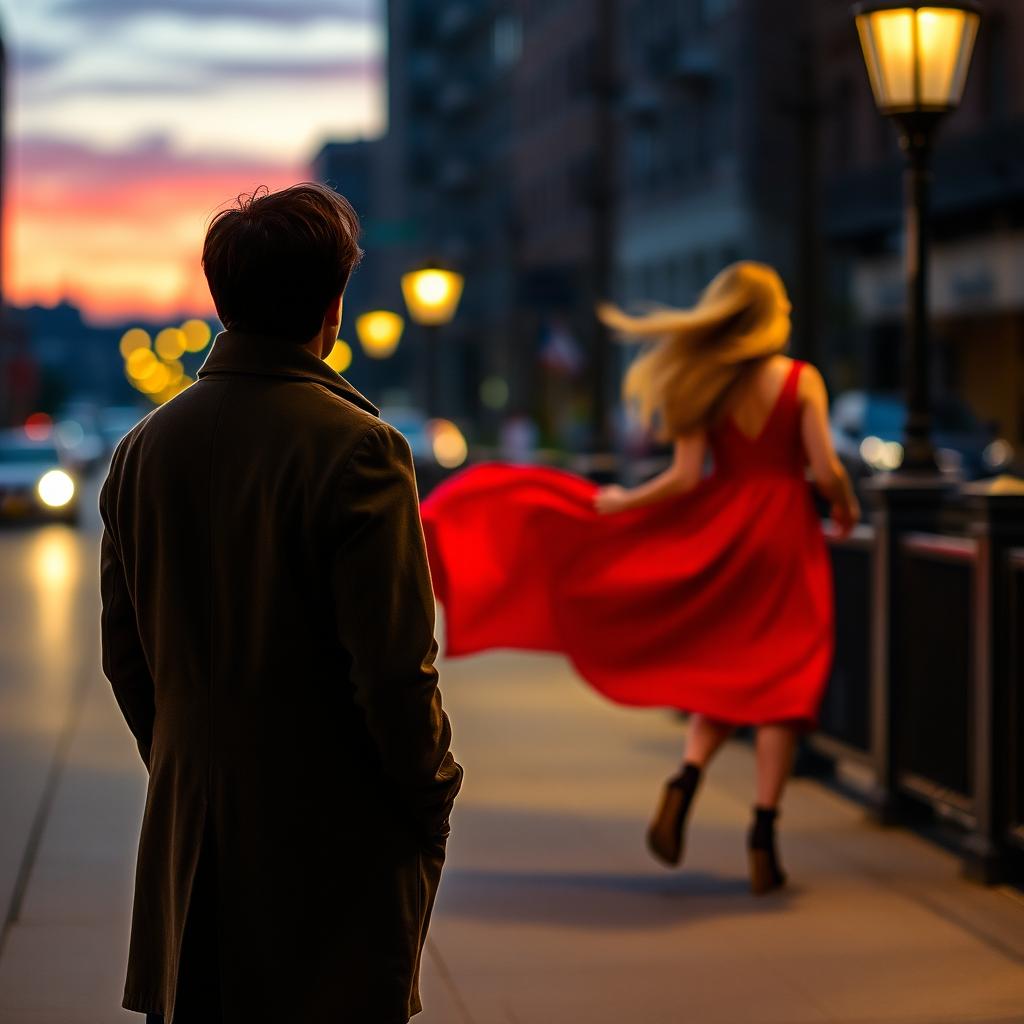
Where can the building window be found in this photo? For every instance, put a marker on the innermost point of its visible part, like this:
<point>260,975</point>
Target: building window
<point>507,40</point>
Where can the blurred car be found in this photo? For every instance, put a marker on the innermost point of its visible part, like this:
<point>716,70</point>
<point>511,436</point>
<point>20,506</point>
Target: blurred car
<point>867,429</point>
<point>412,425</point>
<point>77,436</point>
<point>115,421</point>
<point>35,483</point>
<point>438,446</point>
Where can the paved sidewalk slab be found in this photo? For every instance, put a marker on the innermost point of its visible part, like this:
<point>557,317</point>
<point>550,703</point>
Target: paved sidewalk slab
<point>550,909</point>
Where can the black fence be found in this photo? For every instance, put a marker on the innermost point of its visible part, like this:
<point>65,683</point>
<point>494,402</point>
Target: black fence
<point>927,688</point>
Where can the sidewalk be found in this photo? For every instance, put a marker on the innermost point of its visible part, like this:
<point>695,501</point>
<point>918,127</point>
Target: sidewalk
<point>551,911</point>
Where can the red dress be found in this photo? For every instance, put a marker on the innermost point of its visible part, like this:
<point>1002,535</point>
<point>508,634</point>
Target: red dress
<point>716,601</point>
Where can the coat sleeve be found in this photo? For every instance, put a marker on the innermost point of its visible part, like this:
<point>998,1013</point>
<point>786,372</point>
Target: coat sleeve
<point>124,662</point>
<point>385,614</point>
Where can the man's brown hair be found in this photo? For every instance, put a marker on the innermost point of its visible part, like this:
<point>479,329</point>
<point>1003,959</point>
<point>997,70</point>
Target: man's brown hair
<point>275,260</point>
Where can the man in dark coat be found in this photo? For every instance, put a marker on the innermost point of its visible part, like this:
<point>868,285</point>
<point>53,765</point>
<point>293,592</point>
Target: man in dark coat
<point>268,630</point>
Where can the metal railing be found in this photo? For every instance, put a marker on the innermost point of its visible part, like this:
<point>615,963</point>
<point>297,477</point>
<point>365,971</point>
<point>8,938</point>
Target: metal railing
<point>927,688</point>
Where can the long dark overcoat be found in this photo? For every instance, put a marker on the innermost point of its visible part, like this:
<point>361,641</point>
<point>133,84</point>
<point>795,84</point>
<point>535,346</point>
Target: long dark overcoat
<point>268,630</point>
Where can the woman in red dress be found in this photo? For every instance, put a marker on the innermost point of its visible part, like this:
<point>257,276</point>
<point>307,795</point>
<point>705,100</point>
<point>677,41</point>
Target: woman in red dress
<point>707,592</point>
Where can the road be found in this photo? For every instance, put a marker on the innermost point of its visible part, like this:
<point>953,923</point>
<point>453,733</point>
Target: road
<point>550,910</point>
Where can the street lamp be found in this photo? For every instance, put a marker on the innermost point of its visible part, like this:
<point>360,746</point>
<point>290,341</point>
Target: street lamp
<point>917,56</point>
<point>379,332</point>
<point>432,296</point>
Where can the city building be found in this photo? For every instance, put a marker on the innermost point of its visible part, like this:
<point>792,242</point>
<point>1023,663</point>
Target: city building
<point>717,147</point>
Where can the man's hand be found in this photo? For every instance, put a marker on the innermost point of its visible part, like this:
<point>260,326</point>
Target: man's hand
<point>609,500</point>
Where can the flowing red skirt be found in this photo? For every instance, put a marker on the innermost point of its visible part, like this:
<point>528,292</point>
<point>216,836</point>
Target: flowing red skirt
<point>718,601</point>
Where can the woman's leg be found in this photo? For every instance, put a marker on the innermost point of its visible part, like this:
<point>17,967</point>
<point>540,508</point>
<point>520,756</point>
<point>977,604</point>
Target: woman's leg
<point>775,746</point>
<point>704,738</point>
<point>665,836</point>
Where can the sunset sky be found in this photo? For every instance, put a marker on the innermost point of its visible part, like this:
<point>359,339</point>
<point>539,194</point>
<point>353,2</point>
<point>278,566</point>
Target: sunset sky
<point>131,121</point>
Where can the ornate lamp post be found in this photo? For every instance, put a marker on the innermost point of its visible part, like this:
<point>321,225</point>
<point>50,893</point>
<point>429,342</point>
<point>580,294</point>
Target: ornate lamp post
<point>379,332</point>
<point>917,57</point>
<point>432,297</point>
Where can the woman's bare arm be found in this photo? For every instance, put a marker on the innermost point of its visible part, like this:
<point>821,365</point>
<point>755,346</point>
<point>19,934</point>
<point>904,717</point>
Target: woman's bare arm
<point>830,476</point>
<point>682,475</point>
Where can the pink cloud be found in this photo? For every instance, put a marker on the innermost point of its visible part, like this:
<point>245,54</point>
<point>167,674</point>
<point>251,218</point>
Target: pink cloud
<point>119,231</point>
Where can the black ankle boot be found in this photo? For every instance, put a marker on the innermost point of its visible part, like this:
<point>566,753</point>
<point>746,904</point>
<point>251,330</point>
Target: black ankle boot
<point>665,836</point>
<point>765,872</point>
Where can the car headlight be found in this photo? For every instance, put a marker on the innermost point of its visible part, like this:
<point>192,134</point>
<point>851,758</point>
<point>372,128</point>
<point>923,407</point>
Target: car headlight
<point>998,454</point>
<point>881,455</point>
<point>55,488</point>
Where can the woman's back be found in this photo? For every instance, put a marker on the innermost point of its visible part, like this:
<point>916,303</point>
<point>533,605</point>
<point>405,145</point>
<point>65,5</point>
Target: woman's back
<point>758,429</point>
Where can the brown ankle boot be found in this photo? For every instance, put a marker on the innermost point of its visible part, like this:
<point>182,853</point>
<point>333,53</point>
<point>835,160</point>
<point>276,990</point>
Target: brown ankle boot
<point>666,834</point>
<point>765,873</point>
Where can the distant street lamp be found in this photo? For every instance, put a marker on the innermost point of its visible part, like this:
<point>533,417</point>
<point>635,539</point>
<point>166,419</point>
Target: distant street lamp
<point>379,332</point>
<point>917,57</point>
<point>432,297</point>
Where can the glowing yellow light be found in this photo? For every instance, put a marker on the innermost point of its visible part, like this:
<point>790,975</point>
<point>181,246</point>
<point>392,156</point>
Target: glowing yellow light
<point>197,335</point>
<point>379,332</point>
<point>55,488</point>
<point>54,566</point>
<point>156,380</point>
<point>448,444</point>
<point>170,343</point>
<point>132,340</point>
<point>917,57</point>
<point>175,371</point>
<point>432,295</point>
<point>340,357</point>
<point>138,363</point>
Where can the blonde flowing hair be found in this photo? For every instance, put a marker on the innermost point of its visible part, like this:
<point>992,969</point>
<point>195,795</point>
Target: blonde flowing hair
<point>698,355</point>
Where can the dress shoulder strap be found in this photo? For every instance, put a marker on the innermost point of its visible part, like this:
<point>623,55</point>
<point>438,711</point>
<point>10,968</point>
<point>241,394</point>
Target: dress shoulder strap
<point>793,379</point>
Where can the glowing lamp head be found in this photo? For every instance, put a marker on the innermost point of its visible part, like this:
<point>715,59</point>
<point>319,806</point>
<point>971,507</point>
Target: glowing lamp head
<point>55,488</point>
<point>379,332</point>
<point>432,295</point>
<point>917,54</point>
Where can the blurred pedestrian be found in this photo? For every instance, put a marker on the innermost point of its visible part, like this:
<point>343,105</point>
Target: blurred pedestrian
<point>707,592</point>
<point>268,633</point>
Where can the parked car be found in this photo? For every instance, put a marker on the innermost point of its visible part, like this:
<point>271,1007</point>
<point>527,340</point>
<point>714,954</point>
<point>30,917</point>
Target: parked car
<point>35,483</point>
<point>115,421</point>
<point>867,429</point>
<point>438,446</point>
<point>77,435</point>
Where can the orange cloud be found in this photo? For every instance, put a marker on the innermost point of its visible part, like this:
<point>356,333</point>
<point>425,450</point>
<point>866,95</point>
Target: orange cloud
<point>119,233</point>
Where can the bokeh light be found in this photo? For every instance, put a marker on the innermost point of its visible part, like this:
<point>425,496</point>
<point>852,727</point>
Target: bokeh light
<point>55,488</point>
<point>156,380</point>
<point>448,443</point>
<point>139,363</point>
<point>69,433</point>
<point>38,426</point>
<point>197,335</point>
<point>170,343</point>
<point>340,357</point>
<point>379,332</point>
<point>132,340</point>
